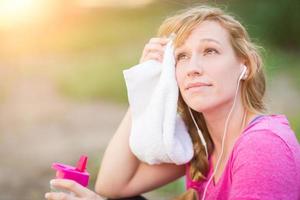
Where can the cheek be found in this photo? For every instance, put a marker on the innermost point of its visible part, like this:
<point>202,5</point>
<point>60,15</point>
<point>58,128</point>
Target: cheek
<point>224,71</point>
<point>179,78</point>
<point>180,83</point>
<point>225,87</point>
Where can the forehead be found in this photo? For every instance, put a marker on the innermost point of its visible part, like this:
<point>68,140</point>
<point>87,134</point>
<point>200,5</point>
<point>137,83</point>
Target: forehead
<point>208,31</point>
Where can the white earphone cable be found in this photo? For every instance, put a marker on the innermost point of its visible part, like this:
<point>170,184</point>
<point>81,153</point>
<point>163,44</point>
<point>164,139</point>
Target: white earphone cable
<point>224,135</point>
<point>199,133</point>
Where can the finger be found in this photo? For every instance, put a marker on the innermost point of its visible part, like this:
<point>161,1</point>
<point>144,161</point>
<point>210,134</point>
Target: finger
<point>72,186</point>
<point>152,50</point>
<point>152,56</point>
<point>59,196</point>
<point>159,40</point>
<point>154,47</point>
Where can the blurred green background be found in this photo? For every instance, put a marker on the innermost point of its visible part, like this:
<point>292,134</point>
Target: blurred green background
<point>62,92</point>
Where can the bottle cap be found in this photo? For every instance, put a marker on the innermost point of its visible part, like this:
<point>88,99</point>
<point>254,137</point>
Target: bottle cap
<point>78,173</point>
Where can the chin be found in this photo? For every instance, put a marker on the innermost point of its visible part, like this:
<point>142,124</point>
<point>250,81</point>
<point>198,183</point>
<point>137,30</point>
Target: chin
<point>202,108</point>
<point>201,105</point>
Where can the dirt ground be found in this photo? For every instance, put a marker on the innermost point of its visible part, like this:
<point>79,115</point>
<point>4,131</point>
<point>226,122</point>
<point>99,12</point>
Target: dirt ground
<point>38,127</point>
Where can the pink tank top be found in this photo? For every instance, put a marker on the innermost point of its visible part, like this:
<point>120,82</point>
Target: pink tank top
<point>264,164</point>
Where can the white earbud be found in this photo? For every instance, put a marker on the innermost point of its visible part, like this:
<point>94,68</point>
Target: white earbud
<point>244,73</point>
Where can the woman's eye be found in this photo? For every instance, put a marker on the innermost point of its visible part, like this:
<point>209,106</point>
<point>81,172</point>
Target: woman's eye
<point>181,56</point>
<point>210,51</point>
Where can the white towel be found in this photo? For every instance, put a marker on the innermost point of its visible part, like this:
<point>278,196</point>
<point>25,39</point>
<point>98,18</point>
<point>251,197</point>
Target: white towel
<point>158,134</point>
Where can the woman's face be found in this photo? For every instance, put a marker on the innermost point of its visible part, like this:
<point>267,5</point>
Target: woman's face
<point>207,68</point>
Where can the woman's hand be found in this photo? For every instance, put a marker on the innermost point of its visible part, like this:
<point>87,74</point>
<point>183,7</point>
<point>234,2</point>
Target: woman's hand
<point>81,193</point>
<point>154,49</point>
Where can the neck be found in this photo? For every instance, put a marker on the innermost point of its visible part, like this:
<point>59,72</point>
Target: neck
<point>216,119</point>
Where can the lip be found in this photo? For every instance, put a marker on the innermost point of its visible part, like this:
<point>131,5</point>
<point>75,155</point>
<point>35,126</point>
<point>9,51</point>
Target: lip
<point>196,85</point>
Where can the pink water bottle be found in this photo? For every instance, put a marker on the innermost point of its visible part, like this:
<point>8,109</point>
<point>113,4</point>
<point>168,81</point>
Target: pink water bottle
<point>78,173</point>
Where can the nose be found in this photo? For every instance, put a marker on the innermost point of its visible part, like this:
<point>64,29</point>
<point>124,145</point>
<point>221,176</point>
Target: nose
<point>194,67</point>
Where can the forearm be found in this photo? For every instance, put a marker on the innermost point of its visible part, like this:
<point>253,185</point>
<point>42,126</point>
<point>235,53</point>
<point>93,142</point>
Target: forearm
<point>119,164</point>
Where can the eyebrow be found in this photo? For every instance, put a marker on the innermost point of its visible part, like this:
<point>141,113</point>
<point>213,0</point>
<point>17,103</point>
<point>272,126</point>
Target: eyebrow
<point>210,40</point>
<point>202,40</point>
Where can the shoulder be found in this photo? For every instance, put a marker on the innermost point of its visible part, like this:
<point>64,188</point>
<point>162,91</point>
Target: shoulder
<point>270,134</point>
<point>264,159</point>
<point>268,145</point>
<point>260,146</point>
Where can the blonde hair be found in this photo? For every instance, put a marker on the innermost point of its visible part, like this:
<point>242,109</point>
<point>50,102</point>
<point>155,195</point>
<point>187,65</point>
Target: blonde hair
<point>252,89</point>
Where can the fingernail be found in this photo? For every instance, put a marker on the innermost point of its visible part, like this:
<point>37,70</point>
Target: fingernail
<point>47,195</point>
<point>52,182</point>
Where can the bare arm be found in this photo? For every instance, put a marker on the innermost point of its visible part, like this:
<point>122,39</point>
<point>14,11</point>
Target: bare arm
<point>122,174</point>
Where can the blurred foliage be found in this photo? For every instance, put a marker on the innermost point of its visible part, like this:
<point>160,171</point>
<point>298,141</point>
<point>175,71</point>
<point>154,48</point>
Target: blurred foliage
<point>294,122</point>
<point>104,41</point>
<point>88,48</point>
<point>276,23</point>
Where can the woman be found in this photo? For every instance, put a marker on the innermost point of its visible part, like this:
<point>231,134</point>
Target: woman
<point>251,155</point>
